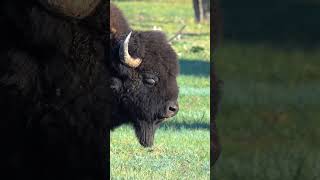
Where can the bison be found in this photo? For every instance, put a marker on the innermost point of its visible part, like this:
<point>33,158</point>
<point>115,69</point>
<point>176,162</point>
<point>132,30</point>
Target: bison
<point>144,71</point>
<point>54,90</point>
<point>216,85</point>
<point>70,72</point>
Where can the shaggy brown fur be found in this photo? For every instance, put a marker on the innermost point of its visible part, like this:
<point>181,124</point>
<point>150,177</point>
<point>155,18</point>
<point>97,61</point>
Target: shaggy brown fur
<point>58,85</point>
<point>139,103</point>
<point>54,94</point>
<point>118,24</point>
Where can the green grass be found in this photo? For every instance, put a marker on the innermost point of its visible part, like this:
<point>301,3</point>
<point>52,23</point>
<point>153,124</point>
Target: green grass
<point>269,119</point>
<point>181,149</point>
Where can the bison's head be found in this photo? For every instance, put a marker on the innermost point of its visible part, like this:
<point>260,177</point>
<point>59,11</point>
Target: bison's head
<point>144,83</point>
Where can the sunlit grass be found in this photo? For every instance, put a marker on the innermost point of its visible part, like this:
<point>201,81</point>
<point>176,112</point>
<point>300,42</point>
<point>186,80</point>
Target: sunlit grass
<point>177,154</point>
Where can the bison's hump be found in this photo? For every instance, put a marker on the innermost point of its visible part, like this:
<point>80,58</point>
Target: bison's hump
<point>73,8</point>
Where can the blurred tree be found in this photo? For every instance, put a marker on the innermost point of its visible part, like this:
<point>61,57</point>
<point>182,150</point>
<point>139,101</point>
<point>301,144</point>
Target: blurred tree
<point>201,10</point>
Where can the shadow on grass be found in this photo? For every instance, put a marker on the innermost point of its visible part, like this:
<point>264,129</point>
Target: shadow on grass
<point>186,125</point>
<point>196,34</point>
<point>283,23</point>
<point>194,67</point>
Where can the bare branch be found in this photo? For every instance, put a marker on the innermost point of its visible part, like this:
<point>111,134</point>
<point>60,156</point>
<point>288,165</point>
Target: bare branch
<point>177,33</point>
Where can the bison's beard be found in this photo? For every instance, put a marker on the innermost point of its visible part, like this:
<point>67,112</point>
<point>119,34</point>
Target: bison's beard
<point>145,131</point>
<point>145,123</point>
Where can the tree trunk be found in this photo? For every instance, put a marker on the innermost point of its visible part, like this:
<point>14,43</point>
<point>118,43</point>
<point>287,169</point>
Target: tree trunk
<point>201,10</point>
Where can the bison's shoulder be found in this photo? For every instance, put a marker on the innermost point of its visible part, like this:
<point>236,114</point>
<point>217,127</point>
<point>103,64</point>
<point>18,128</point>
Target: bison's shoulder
<point>118,24</point>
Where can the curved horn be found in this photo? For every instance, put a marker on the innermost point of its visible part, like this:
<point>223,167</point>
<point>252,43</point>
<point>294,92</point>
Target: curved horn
<point>124,52</point>
<point>73,8</point>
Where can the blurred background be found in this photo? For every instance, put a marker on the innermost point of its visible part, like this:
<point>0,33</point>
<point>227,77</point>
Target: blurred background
<point>182,145</point>
<point>269,120</point>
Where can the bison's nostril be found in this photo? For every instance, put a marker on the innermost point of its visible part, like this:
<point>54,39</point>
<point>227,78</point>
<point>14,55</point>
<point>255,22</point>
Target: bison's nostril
<point>173,108</point>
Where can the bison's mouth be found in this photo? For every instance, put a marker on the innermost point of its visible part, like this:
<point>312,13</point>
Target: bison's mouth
<point>145,131</point>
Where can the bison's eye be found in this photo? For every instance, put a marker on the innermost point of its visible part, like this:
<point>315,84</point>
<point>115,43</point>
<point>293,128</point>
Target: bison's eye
<point>150,81</point>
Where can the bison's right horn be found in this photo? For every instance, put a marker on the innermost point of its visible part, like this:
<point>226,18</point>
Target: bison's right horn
<point>73,8</point>
<point>124,52</point>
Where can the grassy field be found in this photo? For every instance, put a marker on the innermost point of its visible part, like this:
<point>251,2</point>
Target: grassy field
<point>269,123</point>
<point>269,119</point>
<point>181,149</point>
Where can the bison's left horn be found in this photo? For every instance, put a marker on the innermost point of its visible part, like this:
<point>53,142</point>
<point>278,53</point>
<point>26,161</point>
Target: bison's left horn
<point>124,52</point>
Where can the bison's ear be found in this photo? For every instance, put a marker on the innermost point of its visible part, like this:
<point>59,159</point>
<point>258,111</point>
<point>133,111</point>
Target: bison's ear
<point>72,8</point>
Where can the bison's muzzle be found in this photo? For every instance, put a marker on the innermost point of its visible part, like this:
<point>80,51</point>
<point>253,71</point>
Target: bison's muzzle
<point>171,110</point>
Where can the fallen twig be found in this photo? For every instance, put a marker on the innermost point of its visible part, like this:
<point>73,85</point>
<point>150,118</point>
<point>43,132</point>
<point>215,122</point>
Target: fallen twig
<point>177,33</point>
